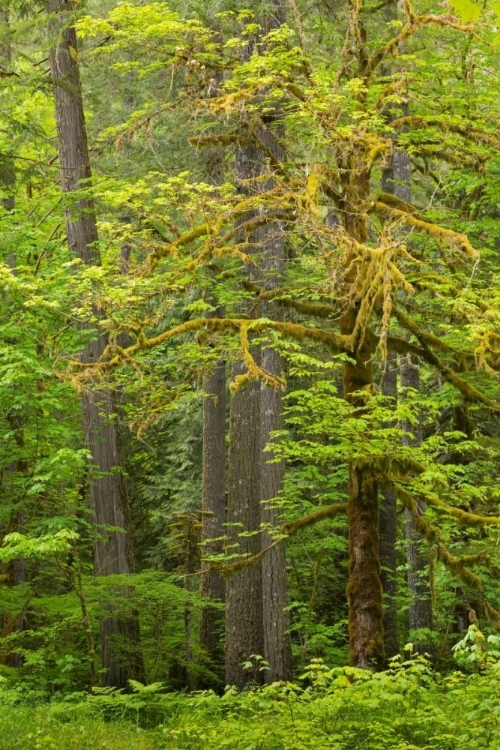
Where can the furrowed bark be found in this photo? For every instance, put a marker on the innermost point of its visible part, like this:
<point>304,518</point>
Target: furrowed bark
<point>120,651</point>
<point>244,611</point>
<point>213,513</point>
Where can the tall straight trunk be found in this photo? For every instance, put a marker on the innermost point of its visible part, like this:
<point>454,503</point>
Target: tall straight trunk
<point>397,180</point>
<point>244,601</point>
<point>388,533</point>
<point>212,584</point>
<point>17,569</point>
<point>112,553</point>
<point>213,510</point>
<point>260,407</point>
<point>418,558</point>
<point>277,645</point>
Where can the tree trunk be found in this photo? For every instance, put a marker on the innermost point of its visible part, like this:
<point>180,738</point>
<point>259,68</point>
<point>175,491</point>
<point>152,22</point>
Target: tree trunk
<point>244,600</point>
<point>244,609</point>
<point>418,558</point>
<point>364,589</point>
<point>388,533</point>
<point>112,552</point>
<point>277,646</point>
<point>213,512</point>
<point>397,180</point>
<point>263,414</point>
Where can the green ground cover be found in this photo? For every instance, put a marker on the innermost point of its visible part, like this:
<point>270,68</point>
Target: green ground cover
<point>405,708</point>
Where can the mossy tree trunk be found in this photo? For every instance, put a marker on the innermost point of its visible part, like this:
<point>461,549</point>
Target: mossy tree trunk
<point>364,588</point>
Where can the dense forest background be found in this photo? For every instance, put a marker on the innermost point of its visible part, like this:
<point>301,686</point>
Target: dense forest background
<point>250,350</point>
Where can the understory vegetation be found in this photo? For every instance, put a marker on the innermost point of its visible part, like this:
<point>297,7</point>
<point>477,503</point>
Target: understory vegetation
<point>406,707</point>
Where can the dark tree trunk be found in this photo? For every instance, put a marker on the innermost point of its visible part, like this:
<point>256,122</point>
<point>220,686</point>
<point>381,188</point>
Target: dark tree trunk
<point>397,180</point>
<point>418,557</point>
<point>262,414</point>
<point>121,657</point>
<point>364,589</point>
<point>388,534</point>
<point>213,513</point>
<point>277,646</point>
<point>214,475</point>
<point>244,609</point>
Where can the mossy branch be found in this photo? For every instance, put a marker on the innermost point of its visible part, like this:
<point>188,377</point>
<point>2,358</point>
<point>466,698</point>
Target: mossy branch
<point>466,130</point>
<point>458,567</point>
<point>435,230</point>
<point>414,23</point>
<point>470,392</point>
<point>288,529</point>
<point>407,322</point>
<point>336,342</point>
<point>464,517</point>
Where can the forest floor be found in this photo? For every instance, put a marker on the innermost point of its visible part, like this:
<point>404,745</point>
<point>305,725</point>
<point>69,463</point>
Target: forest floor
<point>406,708</point>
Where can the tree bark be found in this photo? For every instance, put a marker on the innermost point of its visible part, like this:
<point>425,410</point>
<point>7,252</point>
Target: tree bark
<point>277,645</point>
<point>244,601</point>
<point>112,553</point>
<point>397,180</point>
<point>418,558</point>
<point>364,588</point>
<point>388,533</point>
<point>264,415</point>
<point>213,513</point>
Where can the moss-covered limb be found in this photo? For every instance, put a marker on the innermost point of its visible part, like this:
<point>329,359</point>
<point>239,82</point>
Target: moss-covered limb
<point>437,153</point>
<point>414,23</point>
<point>254,372</point>
<point>465,518</point>
<point>114,358</point>
<point>394,202</point>
<point>247,226</point>
<point>428,227</point>
<point>458,567</point>
<point>285,298</point>
<point>466,131</point>
<point>470,392</point>
<point>172,248</point>
<point>462,358</point>
<point>219,139</point>
<point>493,615</point>
<point>432,280</point>
<point>329,511</point>
<point>288,529</point>
<point>241,209</point>
<point>400,346</point>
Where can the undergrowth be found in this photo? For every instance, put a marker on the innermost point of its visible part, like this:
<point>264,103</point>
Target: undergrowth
<point>407,707</point>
